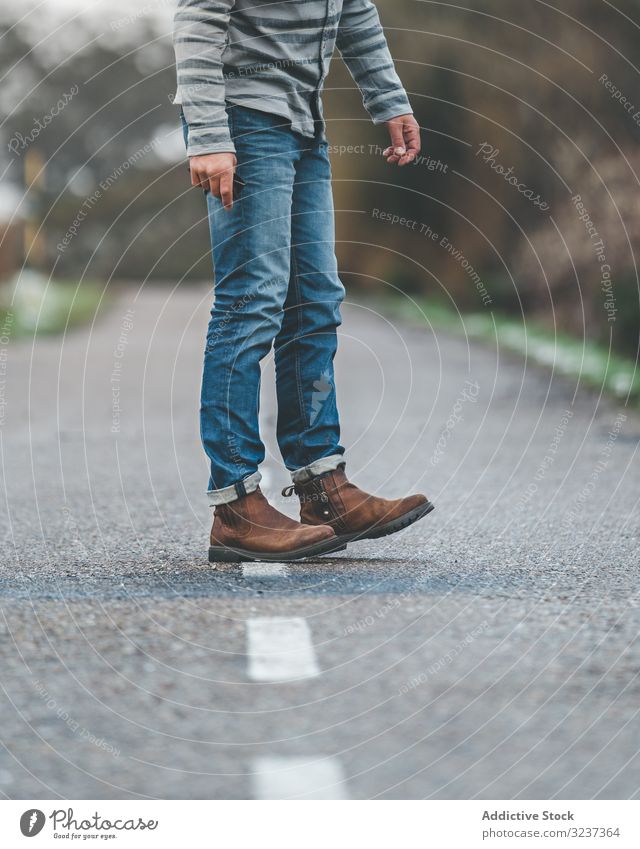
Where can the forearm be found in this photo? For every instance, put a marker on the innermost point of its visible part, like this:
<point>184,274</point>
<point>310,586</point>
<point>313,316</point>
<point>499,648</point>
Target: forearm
<point>363,46</point>
<point>199,38</point>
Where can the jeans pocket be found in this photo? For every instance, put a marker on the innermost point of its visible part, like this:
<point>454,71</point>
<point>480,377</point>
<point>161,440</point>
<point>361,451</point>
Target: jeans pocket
<point>229,107</point>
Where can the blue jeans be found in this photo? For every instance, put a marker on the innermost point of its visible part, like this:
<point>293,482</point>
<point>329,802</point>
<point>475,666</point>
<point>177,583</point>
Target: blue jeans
<point>276,283</point>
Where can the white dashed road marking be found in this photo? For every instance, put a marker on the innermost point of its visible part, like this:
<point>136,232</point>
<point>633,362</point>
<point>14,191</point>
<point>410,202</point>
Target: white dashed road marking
<point>264,570</point>
<point>298,778</point>
<point>280,649</point>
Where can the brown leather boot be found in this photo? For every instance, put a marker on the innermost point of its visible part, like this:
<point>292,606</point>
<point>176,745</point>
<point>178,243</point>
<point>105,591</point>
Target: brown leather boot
<point>330,499</point>
<point>251,529</point>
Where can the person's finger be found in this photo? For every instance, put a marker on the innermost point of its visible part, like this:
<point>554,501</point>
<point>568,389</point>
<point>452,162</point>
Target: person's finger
<point>213,184</point>
<point>397,137</point>
<point>398,148</point>
<point>412,141</point>
<point>199,178</point>
<point>408,157</point>
<point>195,176</point>
<point>412,138</point>
<point>226,189</point>
<point>390,154</point>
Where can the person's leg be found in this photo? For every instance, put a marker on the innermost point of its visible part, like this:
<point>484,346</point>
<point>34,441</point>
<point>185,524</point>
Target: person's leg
<point>251,247</point>
<point>308,426</point>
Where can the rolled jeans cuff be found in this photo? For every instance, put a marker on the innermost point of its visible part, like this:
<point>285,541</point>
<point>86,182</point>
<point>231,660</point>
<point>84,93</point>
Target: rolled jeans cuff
<point>237,490</point>
<point>318,467</point>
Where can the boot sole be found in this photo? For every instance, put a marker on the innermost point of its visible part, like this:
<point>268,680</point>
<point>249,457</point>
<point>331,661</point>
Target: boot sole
<point>393,526</point>
<point>226,554</point>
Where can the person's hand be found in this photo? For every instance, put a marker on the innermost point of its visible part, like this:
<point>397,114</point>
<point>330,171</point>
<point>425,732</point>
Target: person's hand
<point>405,140</point>
<point>214,171</point>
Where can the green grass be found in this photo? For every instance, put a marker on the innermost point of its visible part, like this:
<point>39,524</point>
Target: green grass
<point>582,359</point>
<point>37,305</point>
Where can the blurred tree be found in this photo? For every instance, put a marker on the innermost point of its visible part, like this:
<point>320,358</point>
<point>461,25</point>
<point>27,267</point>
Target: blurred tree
<point>546,92</point>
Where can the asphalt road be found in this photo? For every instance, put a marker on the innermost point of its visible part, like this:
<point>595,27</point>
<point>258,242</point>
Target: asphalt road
<point>489,651</point>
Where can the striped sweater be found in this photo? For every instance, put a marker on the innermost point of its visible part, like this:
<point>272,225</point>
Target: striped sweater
<point>274,55</point>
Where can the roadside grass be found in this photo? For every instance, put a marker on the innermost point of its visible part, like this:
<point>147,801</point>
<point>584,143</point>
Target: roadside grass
<point>34,304</point>
<point>581,359</point>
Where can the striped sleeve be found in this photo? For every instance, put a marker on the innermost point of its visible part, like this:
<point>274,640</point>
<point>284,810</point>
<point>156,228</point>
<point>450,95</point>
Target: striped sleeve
<point>363,47</point>
<point>200,35</point>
